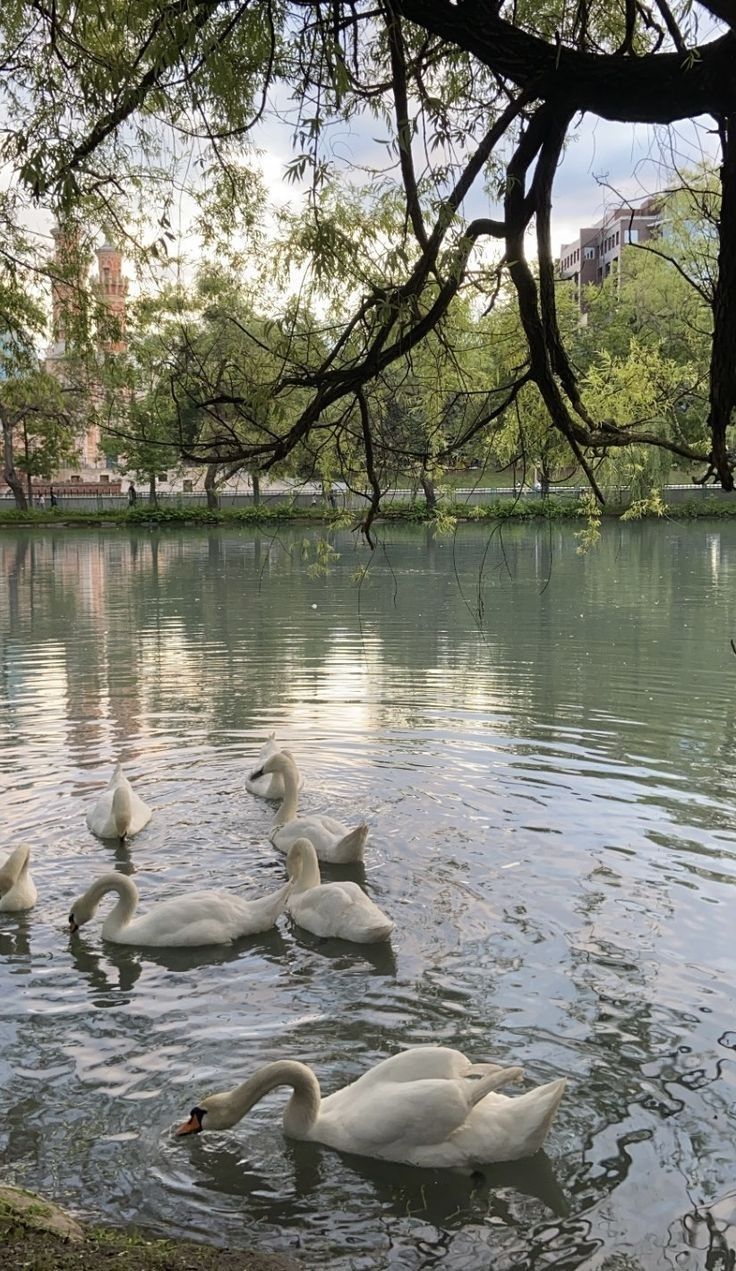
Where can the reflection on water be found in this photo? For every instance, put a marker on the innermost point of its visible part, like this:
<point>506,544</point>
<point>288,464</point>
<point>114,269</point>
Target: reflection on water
<point>551,803</point>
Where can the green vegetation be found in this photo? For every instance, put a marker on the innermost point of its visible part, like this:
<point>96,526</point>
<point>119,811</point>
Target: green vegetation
<point>36,1234</point>
<point>444,515</point>
<point>371,325</point>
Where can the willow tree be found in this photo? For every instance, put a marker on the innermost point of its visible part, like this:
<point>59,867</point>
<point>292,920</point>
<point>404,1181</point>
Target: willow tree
<point>99,99</point>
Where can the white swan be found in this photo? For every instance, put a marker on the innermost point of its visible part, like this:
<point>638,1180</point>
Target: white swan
<point>118,813</point>
<point>17,888</point>
<point>332,841</point>
<point>331,909</point>
<point>270,785</point>
<point>203,917</point>
<point>426,1106</point>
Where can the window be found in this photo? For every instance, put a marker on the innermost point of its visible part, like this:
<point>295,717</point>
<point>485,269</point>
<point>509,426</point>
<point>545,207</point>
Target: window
<point>632,236</point>
<point>104,479</point>
<point>187,486</point>
<point>163,476</point>
<point>590,253</point>
<point>76,477</point>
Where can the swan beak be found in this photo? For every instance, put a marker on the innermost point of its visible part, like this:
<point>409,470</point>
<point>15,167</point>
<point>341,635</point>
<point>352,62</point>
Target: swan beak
<point>73,926</point>
<point>192,1126</point>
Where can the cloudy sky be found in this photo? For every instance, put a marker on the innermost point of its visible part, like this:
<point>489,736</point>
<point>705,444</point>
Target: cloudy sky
<point>605,160</point>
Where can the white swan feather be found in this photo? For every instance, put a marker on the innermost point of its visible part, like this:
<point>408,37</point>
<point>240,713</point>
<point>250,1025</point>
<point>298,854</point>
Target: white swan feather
<point>428,1106</point>
<point>331,840</point>
<point>271,784</point>
<point>201,918</point>
<point>17,888</point>
<point>118,813</point>
<point>339,909</point>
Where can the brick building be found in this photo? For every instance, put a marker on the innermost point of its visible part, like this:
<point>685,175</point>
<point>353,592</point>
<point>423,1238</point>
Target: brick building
<point>597,250</point>
<point>110,288</point>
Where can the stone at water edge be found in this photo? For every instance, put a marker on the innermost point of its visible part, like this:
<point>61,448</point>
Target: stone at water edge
<point>20,1208</point>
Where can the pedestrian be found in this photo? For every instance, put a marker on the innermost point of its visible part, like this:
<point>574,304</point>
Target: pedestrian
<point>41,502</point>
<point>52,498</point>
<point>331,498</point>
<point>132,494</point>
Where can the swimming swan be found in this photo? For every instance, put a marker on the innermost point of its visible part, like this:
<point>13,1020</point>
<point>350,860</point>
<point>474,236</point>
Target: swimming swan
<point>426,1106</point>
<point>270,785</point>
<point>17,888</point>
<point>332,841</point>
<point>202,917</point>
<point>331,909</point>
<point>118,813</point>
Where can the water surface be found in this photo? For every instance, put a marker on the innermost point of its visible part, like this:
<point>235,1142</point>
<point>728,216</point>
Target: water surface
<point>543,744</point>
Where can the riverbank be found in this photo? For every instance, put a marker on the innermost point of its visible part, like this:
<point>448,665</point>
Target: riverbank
<point>445,515</point>
<point>36,1234</point>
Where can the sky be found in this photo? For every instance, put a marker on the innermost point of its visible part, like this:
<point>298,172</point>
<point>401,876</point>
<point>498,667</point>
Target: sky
<point>603,165</point>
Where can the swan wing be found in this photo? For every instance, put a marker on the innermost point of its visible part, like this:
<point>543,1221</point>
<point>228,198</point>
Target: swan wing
<point>342,910</point>
<point>392,1118</point>
<point>428,1061</point>
<point>140,813</point>
<point>205,917</point>
<point>99,818</point>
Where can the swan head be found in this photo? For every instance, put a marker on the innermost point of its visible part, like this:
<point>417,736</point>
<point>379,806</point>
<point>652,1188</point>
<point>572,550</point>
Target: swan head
<point>195,1124</point>
<point>213,1113</point>
<point>79,913</point>
<point>281,762</point>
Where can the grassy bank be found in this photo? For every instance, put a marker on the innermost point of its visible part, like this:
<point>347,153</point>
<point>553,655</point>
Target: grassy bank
<point>447,513</point>
<point>35,1234</point>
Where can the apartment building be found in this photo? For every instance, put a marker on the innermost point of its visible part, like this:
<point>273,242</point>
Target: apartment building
<point>597,250</point>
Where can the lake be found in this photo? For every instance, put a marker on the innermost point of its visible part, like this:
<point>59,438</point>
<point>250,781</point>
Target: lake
<point>544,746</point>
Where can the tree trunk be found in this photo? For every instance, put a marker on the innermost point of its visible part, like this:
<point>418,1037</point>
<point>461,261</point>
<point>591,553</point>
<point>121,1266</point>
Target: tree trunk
<point>27,453</point>
<point>152,487</point>
<point>210,487</point>
<point>722,364</point>
<point>9,470</point>
<point>430,493</point>
<point>256,481</point>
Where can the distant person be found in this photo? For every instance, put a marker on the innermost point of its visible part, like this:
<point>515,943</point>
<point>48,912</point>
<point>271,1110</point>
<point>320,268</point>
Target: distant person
<point>331,498</point>
<point>132,494</point>
<point>41,502</point>
<point>52,498</point>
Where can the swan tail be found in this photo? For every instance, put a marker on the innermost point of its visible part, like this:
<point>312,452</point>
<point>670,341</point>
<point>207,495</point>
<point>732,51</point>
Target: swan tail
<point>491,1081</point>
<point>264,912</point>
<point>351,846</point>
<point>538,1108</point>
<point>14,867</point>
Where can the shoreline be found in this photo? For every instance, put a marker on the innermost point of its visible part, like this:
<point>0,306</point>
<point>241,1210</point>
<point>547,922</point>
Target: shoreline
<point>36,1233</point>
<point>444,516</point>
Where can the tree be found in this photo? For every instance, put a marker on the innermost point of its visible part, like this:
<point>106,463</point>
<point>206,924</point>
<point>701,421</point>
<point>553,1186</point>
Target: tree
<point>464,91</point>
<point>37,412</point>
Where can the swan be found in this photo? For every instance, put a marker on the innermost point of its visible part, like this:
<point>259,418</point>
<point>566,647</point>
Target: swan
<point>270,785</point>
<point>331,909</point>
<point>427,1106</point>
<point>202,917</point>
<point>118,813</point>
<point>17,888</point>
<point>331,840</point>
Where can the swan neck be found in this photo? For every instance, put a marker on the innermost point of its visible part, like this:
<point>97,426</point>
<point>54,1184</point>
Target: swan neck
<point>301,1111</point>
<point>121,809</point>
<point>123,911</point>
<point>290,801</point>
<point>306,874</point>
<point>14,869</point>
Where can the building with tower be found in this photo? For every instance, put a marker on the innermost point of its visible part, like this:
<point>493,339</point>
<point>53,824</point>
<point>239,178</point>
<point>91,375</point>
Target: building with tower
<point>110,289</point>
